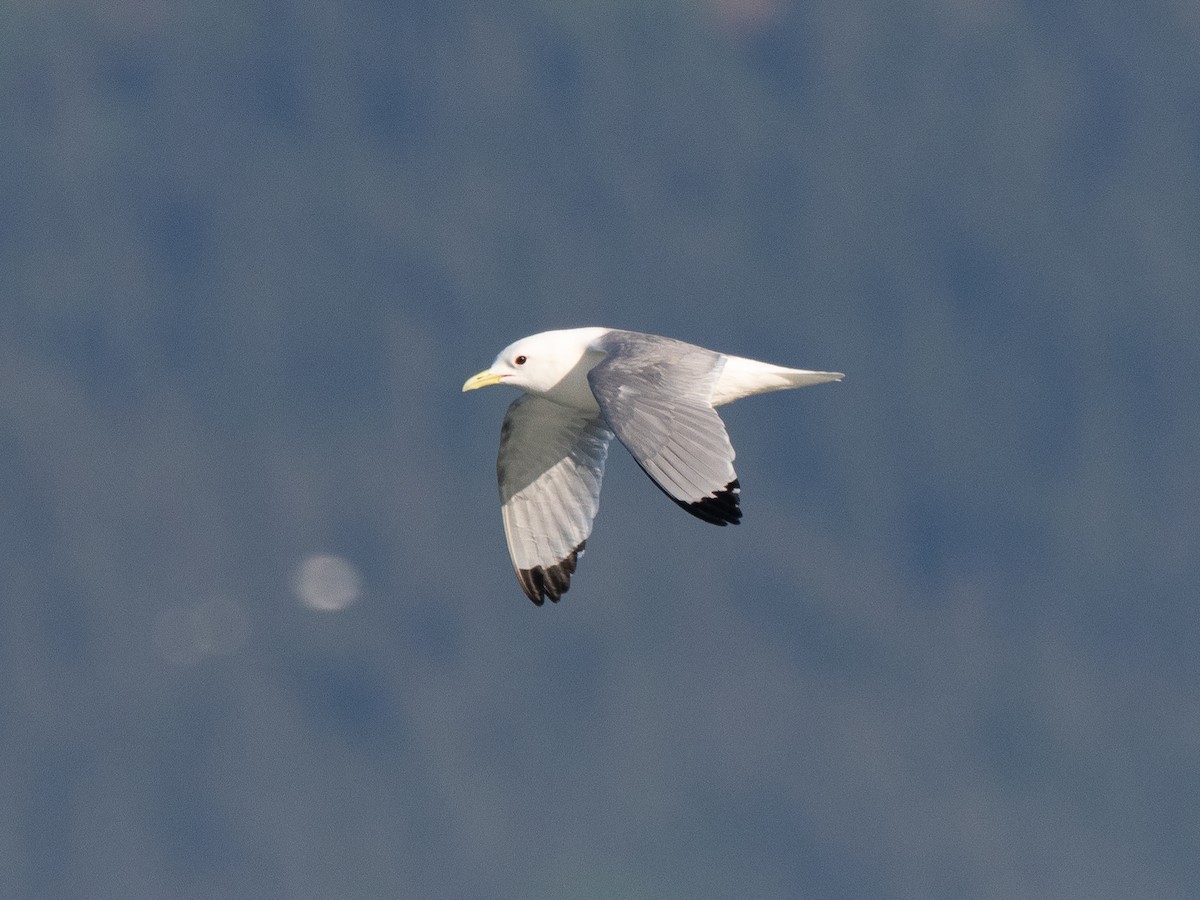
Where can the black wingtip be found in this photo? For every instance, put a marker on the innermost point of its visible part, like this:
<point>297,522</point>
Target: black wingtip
<point>553,581</point>
<point>722,508</point>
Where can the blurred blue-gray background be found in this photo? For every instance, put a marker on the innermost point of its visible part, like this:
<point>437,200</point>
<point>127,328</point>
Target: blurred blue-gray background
<point>260,635</point>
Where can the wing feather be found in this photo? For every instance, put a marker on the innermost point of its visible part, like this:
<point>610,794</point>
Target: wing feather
<point>655,394</point>
<point>549,468</point>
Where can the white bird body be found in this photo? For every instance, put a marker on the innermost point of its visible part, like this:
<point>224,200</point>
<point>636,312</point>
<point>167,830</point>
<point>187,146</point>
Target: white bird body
<point>585,385</point>
<point>558,363</point>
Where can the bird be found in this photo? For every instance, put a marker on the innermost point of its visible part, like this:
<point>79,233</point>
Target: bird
<point>580,388</point>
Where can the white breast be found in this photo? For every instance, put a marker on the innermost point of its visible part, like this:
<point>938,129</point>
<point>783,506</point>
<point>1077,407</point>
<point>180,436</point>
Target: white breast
<point>573,353</point>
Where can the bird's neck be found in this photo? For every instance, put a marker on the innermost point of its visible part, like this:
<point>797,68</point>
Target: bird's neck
<point>573,389</point>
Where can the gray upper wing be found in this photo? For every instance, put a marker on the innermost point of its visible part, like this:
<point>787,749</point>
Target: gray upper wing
<point>655,393</point>
<point>550,465</point>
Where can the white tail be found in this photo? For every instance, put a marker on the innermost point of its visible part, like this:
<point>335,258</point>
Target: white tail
<point>744,377</point>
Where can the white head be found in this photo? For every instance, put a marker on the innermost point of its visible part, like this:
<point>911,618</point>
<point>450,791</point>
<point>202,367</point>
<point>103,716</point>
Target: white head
<point>540,362</point>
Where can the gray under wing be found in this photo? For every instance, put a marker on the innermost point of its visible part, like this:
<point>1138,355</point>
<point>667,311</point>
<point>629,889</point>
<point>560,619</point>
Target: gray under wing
<point>549,467</point>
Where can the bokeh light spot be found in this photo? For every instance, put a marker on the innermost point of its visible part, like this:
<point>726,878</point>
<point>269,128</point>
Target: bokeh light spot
<point>183,634</point>
<point>327,582</point>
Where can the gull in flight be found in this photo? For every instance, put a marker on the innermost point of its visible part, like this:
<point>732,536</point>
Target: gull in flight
<point>581,387</point>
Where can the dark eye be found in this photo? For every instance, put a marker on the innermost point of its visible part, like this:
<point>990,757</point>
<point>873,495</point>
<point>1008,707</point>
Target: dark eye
<point>520,360</point>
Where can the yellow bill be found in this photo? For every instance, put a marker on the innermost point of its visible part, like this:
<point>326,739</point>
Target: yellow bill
<point>486,378</point>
